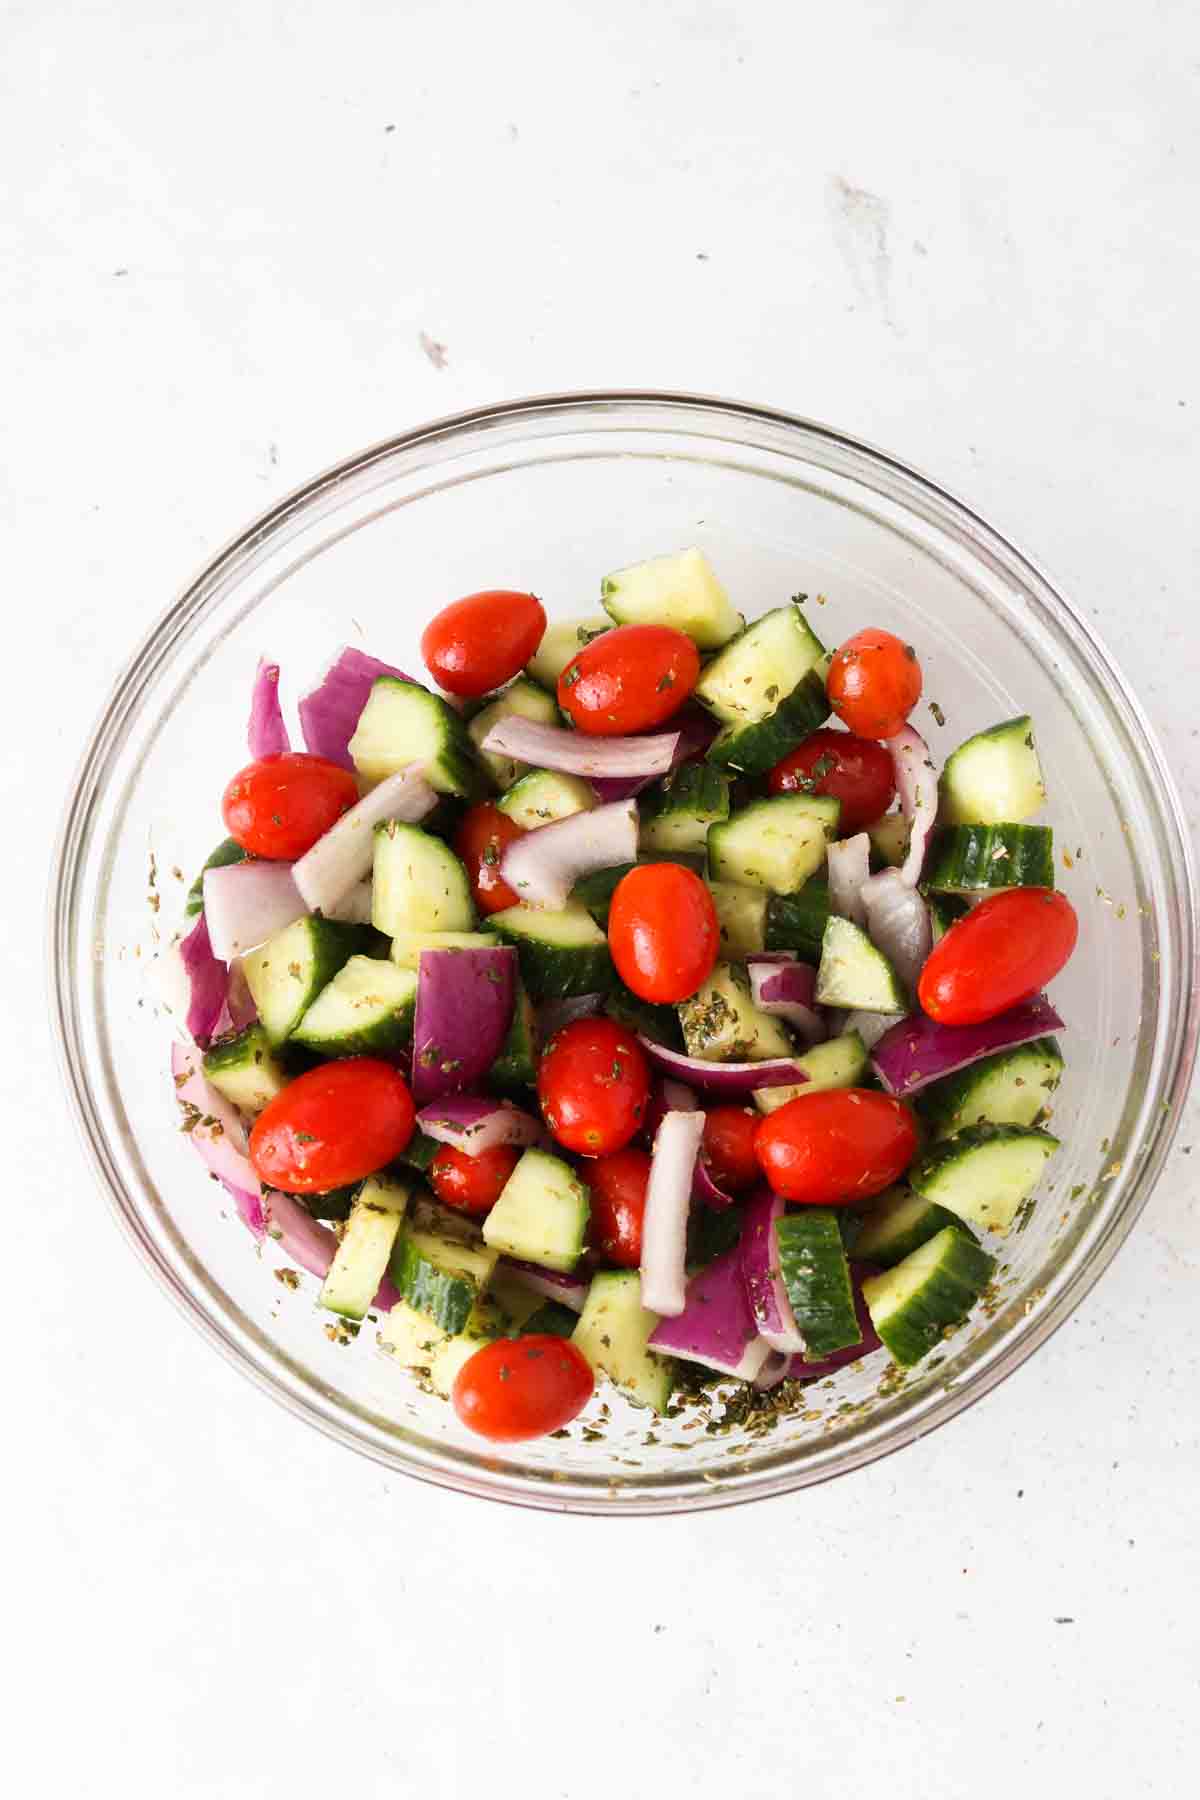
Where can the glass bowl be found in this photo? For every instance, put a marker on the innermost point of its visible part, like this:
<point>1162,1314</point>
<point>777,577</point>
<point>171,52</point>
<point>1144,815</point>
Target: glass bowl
<point>548,494</point>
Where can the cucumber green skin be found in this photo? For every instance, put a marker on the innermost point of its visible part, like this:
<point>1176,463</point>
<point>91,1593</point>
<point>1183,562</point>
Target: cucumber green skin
<point>334,1205</point>
<point>379,1037</point>
<point>797,921</point>
<point>925,1173</point>
<point>417,1154</point>
<point>551,1320</point>
<point>949,1105</point>
<point>968,859</point>
<point>595,891</point>
<point>444,1297</point>
<point>559,972</point>
<point>755,749</point>
<point>677,812</point>
<point>883,1244</point>
<point>330,946</point>
<point>225,853</point>
<point>516,1066</point>
<point>711,1233</point>
<point>239,1051</point>
<point>816,1274</point>
<point>659,1023</point>
<point>944,911</point>
<point>456,769</point>
<point>942,1302</point>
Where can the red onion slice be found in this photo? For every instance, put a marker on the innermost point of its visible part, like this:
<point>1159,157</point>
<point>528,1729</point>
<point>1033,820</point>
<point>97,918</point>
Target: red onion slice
<point>668,1199</point>
<point>543,866</point>
<point>208,983</point>
<point>917,1050</point>
<point>899,924</point>
<point>705,1190</point>
<point>696,732</point>
<point>729,1080</point>
<point>546,747</point>
<point>331,711</point>
<point>267,735</point>
<point>464,1009</point>
<point>787,989</point>
<point>917,784</point>
<point>774,1370</point>
<point>217,1135</point>
<point>248,902</point>
<point>716,1327</point>
<point>849,863</point>
<point>325,874</point>
<point>760,1271</point>
<point>473,1125</point>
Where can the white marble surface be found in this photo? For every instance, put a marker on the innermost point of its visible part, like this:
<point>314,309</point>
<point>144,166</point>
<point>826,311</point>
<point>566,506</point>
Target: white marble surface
<point>240,234</point>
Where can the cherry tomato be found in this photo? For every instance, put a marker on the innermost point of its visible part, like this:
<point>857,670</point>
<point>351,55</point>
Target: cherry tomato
<point>522,1387</point>
<point>280,805</point>
<point>874,682</point>
<point>472,1184</point>
<point>593,1083</point>
<point>836,1148</point>
<point>663,932</point>
<point>481,642</point>
<point>1001,953</point>
<point>629,679</point>
<point>332,1126</point>
<point>483,835</point>
<point>857,771</point>
<point>729,1133</point>
<point>618,1189</point>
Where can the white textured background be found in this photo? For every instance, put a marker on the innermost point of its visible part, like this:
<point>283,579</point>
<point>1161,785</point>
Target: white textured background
<point>239,242</point>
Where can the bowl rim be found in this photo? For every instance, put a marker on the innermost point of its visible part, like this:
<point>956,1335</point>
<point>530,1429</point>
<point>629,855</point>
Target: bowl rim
<point>512,1487</point>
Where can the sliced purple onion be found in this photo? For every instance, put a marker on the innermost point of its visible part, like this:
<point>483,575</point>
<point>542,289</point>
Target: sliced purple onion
<point>217,1135</point>
<point>787,989</point>
<point>760,1271</point>
<point>464,1008</point>
<point>899,924</point>
<point>849,863</point>
<point>306,1241</point>
<point>801,1370</point>
<point>917,784</point>
<point>696,732</point>
<point>730,1080</point>
<point>716,1327</point>
<point>571,1290</point>
<point>705,1190</point>
<point>543,866</point>
<point>248,902</point>
<point>557,1013</point>
<point>325,874</point>
<point>208,983</point>
<point>331,711</point>
<point>918,1050</point>
<point>546,747</point>
<point>267,734</point>
<point>773,1371</point>
<point>664,1223</point>
<point>473,1124</point>
<point>239,1009</point>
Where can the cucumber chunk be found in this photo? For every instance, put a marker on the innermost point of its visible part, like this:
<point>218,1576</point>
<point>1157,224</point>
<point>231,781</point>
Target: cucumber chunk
<point>768,690</point>
<point>503,1312</point>
<point>542,1213</point>
<point>797,921</point>
<point>920,1301</point>
<point>971,859</point>
<point>366,1009</point>
<point>898,1223</point>
<point>560,953</point>
<point>775,844</point>
<point>985,1173</point>
<point>287,973</point>
<point>838,1062</point>
<point>402,724</point>
<point>441,1276</point>
<point>516,1066</point>
<point>545,795</point>
<point>1011,1088</point>
<point>560,642</point>
<point>889,839</point>
<point>853,973</point>
<point>595,891</point>
<point>613,1332</point>
<point>722,1024</point>
<point>741,916</point>
<point>406,950</point>
<point>994,777</point>
<point>522,700</point>
<point>411,1337</point>
<point>244,1069</point>
<point>361,1260</point>
<point>659,1023</point>
<point>680,591</point>
<point>944,910</point>
<point>677,812</point>
<point>418,883</point>
<point>816,1275</point>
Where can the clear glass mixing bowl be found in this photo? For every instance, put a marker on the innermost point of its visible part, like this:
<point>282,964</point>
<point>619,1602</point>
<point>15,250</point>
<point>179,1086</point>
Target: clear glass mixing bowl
<point>548,494</point>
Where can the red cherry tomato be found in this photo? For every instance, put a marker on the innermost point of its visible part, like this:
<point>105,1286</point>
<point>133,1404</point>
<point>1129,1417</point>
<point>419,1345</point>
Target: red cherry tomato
<point>618,1189</point>
<point>629,679</point>
<point>836,1148</point>
<point>472,1184</point>
<point>481,642</point>
<point>854,770</point>
<point>280,805</point>
<point>874,682</point>
<point>332,1126</point>
<point>483,835</point>
<point>729,1134</point>
<point>522,1387</point>
<point>593,1084</point>
<point>663,932</point>
<point>1001,953</point>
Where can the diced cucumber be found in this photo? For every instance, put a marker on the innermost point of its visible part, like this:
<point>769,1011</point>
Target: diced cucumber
<point>741,915</point>
<point>288,972</point>
<point>995,777</point>
<point>677,812</point>
<point>244,1069</point>
<point>452,1355</point>
<point>561,953</point>
<point>970,859</point>
<point>920,1301</point>
<point>418,1153</point>
<point>1010,1088</point>
<point>722,1024</point>
<point>516,1066</point>
<point>838,1062</point>
<point>797,921</point>
<point>362,1256</point>
<point>542,1213</point>
<point>406,950</point>
<point>226,852</point>
<point>680,591</point>
<point>520,700</point>
<point>613,1333</point>
<point>418,883</point>
<point>768,689</point>
<point>985,1173</point>
<point>816,1275</point>
<point>545,795</point>
<point>775,844</point>
<point>402,724</point>
<point>441,1276</point>
<point>944,909</point>
<point>889,839</point>
<point>660,1023</point>
<point>552,1319</point>
<point>595,891</point>
<point>367,1008</point>
<point>754,749</point>
<point>501,1312</point>
<point>560,642</point>
<point>853,973</point>
<point>411,1337</point>
<point>898,1223</point>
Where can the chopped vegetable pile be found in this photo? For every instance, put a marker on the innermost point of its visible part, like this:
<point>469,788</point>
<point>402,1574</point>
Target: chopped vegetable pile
<point>607,1015</point>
